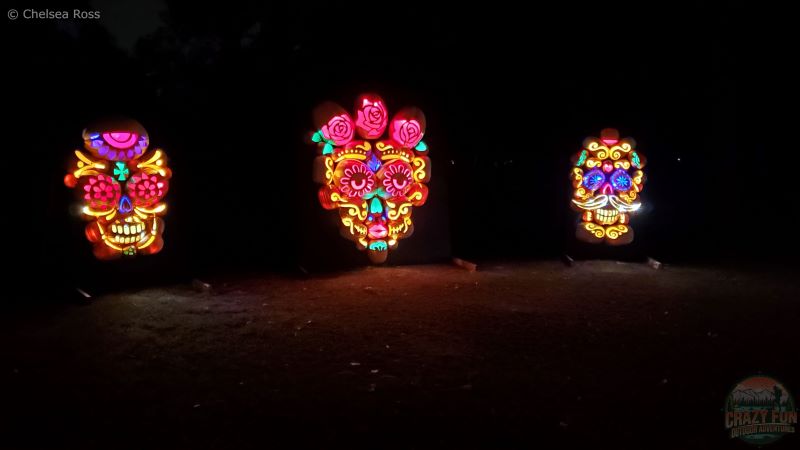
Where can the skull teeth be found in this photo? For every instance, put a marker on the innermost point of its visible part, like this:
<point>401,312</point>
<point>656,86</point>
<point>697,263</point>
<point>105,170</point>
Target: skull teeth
<point>607,216</point>
<point>121,239</point>
<point>128,232</point>
<point>127,229</point>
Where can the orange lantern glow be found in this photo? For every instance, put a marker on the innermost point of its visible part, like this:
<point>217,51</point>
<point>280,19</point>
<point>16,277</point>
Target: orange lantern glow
<point>607,178</point>
<point>122,187</point>
<point>374,182</point>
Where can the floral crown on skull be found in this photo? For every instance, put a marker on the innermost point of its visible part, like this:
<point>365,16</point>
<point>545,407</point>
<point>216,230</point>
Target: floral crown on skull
<point>374,181</point>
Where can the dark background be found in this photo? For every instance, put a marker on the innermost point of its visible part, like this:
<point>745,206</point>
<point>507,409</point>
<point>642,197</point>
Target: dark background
<point>509,93</point>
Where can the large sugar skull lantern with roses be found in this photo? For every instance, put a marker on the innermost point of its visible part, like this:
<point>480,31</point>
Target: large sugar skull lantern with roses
<point>607,177</point>
<point>371,179</point>
<point>121,185</point>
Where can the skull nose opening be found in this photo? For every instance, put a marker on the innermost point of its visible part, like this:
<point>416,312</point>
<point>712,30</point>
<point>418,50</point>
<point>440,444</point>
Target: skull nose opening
<point>375,206</point>
<point>125,205</point>
<point>607,189</point>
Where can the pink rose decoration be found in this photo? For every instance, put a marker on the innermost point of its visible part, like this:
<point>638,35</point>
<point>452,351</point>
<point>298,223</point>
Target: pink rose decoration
<point>372,117</point>
<point>407,132</point>
<point>339,129</point>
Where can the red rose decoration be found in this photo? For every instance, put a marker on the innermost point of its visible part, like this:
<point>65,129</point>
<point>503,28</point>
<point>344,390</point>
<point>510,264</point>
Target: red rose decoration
<point>339,129</point>
<point>372,117</point>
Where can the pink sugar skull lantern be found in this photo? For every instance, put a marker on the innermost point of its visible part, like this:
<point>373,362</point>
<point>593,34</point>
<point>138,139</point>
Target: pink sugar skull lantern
<point>122,187</point>
<point>375,181</point>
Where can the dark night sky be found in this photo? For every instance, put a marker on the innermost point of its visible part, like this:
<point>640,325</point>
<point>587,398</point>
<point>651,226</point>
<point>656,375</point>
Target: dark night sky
<point>510,93</point>
<point>129,21</point>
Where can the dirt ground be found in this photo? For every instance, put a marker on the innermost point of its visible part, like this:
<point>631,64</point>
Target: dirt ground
<point>516,355</point>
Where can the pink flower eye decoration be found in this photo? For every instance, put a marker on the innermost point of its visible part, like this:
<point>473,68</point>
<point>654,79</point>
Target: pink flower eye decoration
<point>397,179</point>
<point>101,192</point>
<point>146,190</point>
<point>357,180</point>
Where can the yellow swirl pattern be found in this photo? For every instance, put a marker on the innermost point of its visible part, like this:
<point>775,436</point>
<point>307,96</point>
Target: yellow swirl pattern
<point>622,164</point>
<point>629,196</point>
<point>577,177</point>
<point>355,229</point>
<point>329,169</point>
<point>87,166</point>
<point>591,163</point>
<point>596,230</point>
<point>600,151</point>
<point>419,171</point>
<point>382,146</point>
<point>352,209</point>
<point>153,165</point>
<point>615,231</point>
<point>582,193</point>
<point>394,212</point>
<point>348,223</point>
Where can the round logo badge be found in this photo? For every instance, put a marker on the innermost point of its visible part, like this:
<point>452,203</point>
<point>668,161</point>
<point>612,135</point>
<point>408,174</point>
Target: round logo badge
<point>759,410</point>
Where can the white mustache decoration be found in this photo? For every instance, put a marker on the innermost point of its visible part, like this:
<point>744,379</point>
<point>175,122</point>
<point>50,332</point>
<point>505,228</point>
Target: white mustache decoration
<point>603,200</point>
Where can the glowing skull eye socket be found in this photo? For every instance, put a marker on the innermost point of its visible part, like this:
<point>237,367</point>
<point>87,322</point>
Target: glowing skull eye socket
<point>594,179</point>
<point>621,181</point>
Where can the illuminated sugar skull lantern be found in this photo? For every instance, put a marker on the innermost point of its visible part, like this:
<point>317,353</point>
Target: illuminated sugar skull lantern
<point>607,177</point>
<point>373,181</point>
<point>122,187</point>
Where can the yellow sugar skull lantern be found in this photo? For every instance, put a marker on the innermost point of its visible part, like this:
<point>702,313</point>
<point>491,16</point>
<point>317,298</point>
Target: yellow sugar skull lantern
<point>607,177</point>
